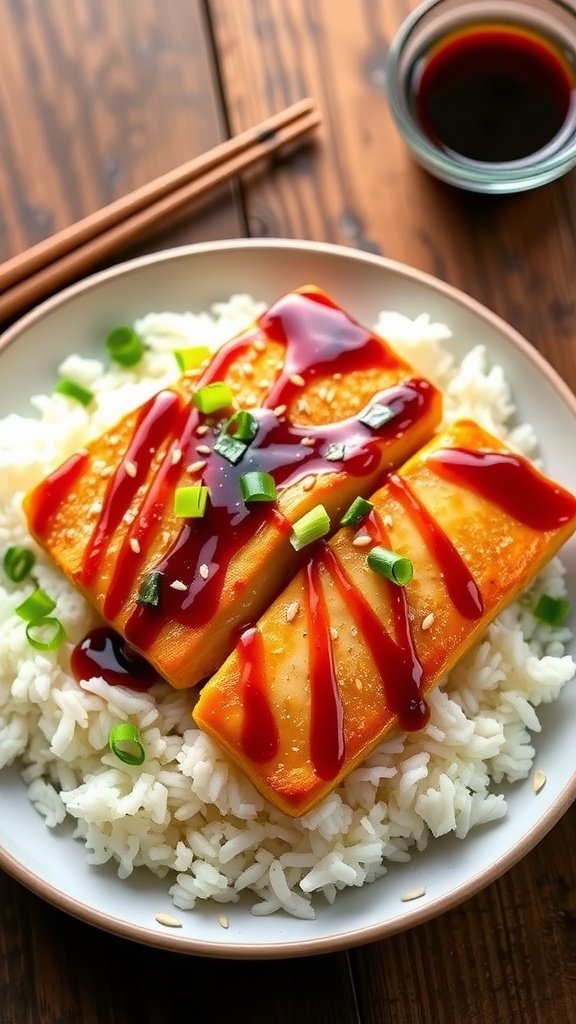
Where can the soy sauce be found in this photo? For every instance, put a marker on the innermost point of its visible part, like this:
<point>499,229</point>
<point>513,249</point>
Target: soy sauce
<point>494,93</point>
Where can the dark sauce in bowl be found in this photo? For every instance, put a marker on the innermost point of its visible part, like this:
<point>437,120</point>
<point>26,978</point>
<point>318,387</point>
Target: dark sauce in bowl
<point>494,93</point>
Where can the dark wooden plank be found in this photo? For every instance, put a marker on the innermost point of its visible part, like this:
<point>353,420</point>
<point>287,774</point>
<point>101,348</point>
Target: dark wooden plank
<point>500,956</point>
<point>506,955</point>
<point>56,970</point>
<point>97,98</point>
<point>362,188</point>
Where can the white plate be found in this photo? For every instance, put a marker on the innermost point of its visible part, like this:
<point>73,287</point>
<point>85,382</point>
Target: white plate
<point>51,863</point>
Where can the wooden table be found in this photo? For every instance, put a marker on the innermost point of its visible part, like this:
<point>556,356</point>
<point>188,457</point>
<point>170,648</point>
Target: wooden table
<point>97,97</point>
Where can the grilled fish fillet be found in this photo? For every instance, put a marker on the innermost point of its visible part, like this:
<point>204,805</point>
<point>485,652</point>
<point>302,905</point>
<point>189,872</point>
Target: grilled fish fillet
<point>344,655</point>
<point>333,409</point>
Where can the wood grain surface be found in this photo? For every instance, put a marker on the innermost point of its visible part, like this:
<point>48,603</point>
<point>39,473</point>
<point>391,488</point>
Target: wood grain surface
<point>99,96</point>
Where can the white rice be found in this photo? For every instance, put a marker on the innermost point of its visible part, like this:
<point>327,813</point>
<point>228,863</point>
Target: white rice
<point>187,814</point>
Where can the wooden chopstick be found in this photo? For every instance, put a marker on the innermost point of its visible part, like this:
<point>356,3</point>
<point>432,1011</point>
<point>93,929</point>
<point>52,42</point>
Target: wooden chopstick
<point>31,275</point>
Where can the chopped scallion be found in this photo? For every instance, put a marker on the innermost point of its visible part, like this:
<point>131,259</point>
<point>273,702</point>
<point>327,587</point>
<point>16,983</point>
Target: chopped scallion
<point>390,564</point>
<point>256,486</point>
<point>242,426</point>
<point>376,415</point>
<point>191,358</point>
<point>125,741</point>
<point>230,448</point>
<point>17,563</point>
<point>359,509</point>
<point>73,390</point>
<point>45,634</point>
<point>552,610</point>
<point>149,591</point>
<point>125,346</point>
<point>310,527</point>
<point>213,397</point>
<point>190,502</point>
<point>37,606</point>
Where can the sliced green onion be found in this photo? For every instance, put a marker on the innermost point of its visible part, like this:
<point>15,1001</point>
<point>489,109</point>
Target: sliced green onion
<point>230,448</point>
<point>36,606</point>
<point>242,426</point>
<point>359,509</point>
<point>45,634</point>
<point>393,566</point>
<point>376,415</point>
<point>125,346</point>
<point>552,610</point>
<point>73,390</point>
<point>335,452</point>
<point>190,502</point>
<point>212,397</point>
<point>18,563</point>
<point>125,741</point>
<point>310,527</point>
<point>191,358</point>
<point>256,486</point>
<point>149,591</point>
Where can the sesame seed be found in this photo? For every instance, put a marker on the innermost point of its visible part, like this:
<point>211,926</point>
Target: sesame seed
<point>178,585</point>
<point>308,483</point>
<point>131,468</point>
<point>204,571</point>
<point>107,471</point>
<point>128,518</point>
<point>358,684</point>
<point>322,393</point>
<point>223,921</point>
<point>333,632</point>
<point>168,921</point>
<point>202,429</point>
<point>388,521</point>
<point>538,781</point>
<point>427,620</point>
<point>361,541</point>
<point>176,456</point>
<point>303,405</point>
<point>279,410</point>
<point>203,449</point>
<point>195,467</point>
<point>278,650</point>
<point>330,394</point>
<point>135,545</point>
<point>259,344</point>
<point>308,441</point>
<point>292,611</point>
<point>298,379</point>
<point>413,894</point>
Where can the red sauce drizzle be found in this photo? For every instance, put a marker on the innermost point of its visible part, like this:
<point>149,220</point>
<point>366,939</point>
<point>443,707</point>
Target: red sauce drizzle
<point>259,738</point>
<point>396,660</point>
<point>508,481</point>
<point>49,496</point>
<point>327,747</point>
<point>460,583</point>
<point>155,421</point>
<point>104,653</point>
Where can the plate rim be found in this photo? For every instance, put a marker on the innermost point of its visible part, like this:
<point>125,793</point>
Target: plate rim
<point>417,915</point>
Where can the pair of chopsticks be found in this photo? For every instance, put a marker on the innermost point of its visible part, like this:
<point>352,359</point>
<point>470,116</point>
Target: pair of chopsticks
<point>33,274</point>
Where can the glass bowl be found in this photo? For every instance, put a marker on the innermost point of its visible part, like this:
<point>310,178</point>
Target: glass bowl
<point>438,22</point>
